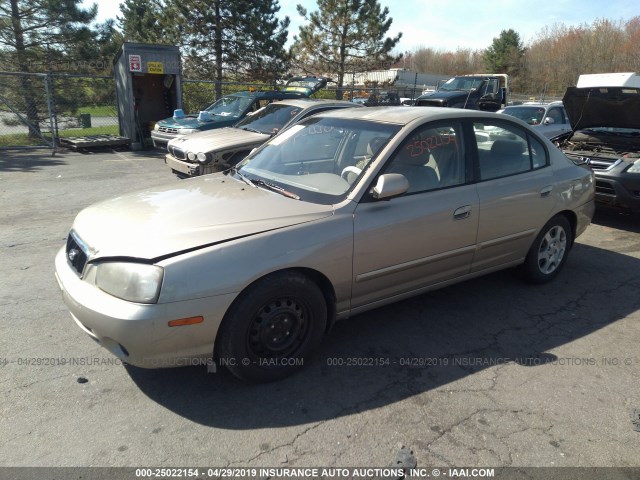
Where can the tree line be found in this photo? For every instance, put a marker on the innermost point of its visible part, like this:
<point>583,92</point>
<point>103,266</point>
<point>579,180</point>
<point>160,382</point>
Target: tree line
<point>550,63</point>
<point>241,40</point>
<point>245,40</point>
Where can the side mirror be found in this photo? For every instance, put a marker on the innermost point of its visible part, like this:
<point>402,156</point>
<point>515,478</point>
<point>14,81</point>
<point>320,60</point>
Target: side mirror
<point>390,185</point>
<point>548,121</point>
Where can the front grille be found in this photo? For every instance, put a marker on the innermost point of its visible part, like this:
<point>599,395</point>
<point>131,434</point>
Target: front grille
<point>600,164</point>
<point>597,163</point>
<point>76,253</point>
<point>430,103</point>
<point>604,187</point>
<point>168,130</point>
<point>178,153</point>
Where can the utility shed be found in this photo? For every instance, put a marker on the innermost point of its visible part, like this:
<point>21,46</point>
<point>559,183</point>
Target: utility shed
<point>148,88</point>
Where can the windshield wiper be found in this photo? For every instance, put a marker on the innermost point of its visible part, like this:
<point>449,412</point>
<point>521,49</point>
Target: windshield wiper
<point>246,180</point>
<point>259,182</point>
<point>249,129</point>
<point>275,188</point>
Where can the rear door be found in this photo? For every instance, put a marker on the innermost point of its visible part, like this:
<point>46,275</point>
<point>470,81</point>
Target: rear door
<point>515,188</point>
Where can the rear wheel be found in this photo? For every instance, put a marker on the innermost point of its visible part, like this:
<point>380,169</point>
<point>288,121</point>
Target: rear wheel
<point>271,329</point>
<point>549,251</point>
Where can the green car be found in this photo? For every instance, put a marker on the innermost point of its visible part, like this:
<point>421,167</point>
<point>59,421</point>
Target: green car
<point>226,111</point>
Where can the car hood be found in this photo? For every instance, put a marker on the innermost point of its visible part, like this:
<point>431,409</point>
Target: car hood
<point>443,94</point>
<point>193,122</point>
<point>305,85</point>
<point>221,139</point>
<point>615,107</point>
<point>193,213</point>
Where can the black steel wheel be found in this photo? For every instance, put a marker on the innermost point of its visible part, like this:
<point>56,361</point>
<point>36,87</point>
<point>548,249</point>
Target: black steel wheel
<point>272,328</point>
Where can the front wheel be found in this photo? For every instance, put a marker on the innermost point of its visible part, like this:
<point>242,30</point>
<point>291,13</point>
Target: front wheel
<point>549,251</point>
<point>271,329</point>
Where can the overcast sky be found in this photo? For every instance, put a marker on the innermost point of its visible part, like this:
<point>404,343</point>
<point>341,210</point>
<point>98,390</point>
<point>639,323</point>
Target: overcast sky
<point>452,24</point>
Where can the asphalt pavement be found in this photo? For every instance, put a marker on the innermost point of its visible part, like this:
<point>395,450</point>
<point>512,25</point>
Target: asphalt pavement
<point>488,373</point>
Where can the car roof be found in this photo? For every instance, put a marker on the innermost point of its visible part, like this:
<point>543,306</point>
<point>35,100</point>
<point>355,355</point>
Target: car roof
<point>309,102</point>
<point>536,104</point>
<point>399,115</point>
<point>266,94</point>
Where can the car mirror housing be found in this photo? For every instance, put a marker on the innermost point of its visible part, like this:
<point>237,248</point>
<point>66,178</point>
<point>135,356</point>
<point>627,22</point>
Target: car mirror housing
<point>548,121</point>
<point>390,185</point>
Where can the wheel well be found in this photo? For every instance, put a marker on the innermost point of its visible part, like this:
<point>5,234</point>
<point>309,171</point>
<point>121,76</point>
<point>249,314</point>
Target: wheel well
<point>325,285</point>
<point>327,290</point>
<point>573,221</point>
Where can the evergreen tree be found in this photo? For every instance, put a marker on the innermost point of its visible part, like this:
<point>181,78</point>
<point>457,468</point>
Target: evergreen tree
<point>147,21</point>
<point>345,36</point>
<point>31,29</point>
<point>505,53</point>
<point>223,39</point>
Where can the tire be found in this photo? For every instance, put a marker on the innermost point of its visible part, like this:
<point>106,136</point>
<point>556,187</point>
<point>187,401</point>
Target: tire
<point>549,251</point>
<point>272,328</point>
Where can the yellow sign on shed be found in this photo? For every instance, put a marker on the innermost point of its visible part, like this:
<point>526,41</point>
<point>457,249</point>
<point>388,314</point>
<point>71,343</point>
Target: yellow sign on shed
<point>155,67</point>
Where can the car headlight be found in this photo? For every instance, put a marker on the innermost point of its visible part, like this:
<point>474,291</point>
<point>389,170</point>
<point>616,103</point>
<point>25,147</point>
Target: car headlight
<point>635,167</point>
<point>191,156</point>
<point>187,131</point>
<point>135,282</point>
<point>202,157</point>
<point>156,127</point>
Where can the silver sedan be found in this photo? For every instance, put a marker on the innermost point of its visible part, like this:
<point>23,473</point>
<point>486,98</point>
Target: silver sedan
<point>341,213</point>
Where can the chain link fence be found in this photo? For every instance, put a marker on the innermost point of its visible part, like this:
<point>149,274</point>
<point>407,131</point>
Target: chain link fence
<point>84,105</point>
<point>25,110</point>
<point>199,94</point>
<point>36,110</point>
<point>40,109</point>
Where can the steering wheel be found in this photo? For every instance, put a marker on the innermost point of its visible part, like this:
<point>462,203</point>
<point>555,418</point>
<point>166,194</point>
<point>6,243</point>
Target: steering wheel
<point>350,169</point>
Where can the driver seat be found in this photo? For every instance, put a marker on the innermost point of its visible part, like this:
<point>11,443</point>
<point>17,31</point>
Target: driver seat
<point>373,147</point>
<point>421,177</point>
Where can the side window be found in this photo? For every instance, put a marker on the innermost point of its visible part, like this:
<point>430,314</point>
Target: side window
<point>431,158</point>
<point>556,114</point>
<point>538,154</point>
<point>505,150</point>
<point>315,111</point>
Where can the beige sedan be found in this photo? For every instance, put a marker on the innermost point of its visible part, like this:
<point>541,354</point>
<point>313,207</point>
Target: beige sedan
<point>346,211</point>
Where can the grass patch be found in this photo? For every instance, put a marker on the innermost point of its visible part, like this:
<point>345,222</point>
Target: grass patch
<point>20,140</point>
<point>23,140</point>
<point>84,132</point>
<point>99,111</point>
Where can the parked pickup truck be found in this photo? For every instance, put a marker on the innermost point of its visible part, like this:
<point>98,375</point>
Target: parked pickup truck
<point>229,109</point>
<point>477,92</point>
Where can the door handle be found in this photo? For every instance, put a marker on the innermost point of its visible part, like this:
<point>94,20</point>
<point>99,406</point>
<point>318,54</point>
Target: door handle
<point>462,212</point>
<point>546,191</point>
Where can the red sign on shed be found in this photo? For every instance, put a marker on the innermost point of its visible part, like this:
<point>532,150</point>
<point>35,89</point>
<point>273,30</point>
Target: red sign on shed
<point>135,63</point>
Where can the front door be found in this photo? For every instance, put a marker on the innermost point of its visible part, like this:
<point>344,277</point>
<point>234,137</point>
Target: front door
<point>425,236</point>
